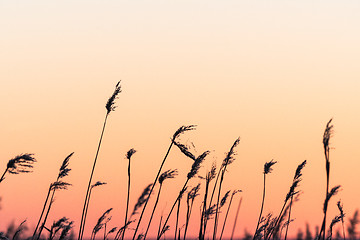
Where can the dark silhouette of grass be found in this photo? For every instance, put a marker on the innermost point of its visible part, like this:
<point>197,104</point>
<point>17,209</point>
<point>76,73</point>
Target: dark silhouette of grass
<point>19,164</point>
<point>110,106</point>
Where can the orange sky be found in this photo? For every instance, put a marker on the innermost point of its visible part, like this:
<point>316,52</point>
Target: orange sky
<point>270,72</point>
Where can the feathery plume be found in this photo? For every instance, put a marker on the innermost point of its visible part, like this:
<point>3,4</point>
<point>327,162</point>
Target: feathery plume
<point>59,185</point>
<point>181,130</point>
<point>268,165</point>
<point>130,153</point>
<point>185,150</point>
<point>224,199</point>
<point>66,230</point>
<point>98,183</point>
<point>102,221</point>
<point>142,199</point>
<point>110,105</point>
<point>168,174</point>
<point>21,163</point>
<point>196,165</point>
<point>194,192</point>
<point>332,193</point>
<point>230,155</point>
<point>64,170</point>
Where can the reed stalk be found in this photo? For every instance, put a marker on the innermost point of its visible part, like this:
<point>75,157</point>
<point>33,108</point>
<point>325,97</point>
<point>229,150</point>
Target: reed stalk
<point>236,218</point>
<point>178,132</point>
<point>110,106</point>
<point>227,212</point>
<point>228,160</point>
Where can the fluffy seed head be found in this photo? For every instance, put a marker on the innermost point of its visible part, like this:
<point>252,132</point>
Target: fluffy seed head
<point>98,183</point>
<point>130,153</point>
<point>58,185</point>
<point>21,163</point>
<point>110,105</point>
<point>194,192</point>
<point>183,129</point>
<point>332,193</point>
<point>225,197</point>
<point>168,174</point>
<point>142,199</point>
<point>327,134</point>
<point>268,165</point>
<point>185,150</point>
<point>64,170</point>
<point>196,165</point>
<point>231,154</point>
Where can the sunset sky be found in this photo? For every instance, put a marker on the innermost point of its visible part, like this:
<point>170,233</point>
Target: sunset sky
<point>270,72</point>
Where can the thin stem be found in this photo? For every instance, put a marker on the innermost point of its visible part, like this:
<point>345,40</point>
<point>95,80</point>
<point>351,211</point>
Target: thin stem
<point>152,213</point>
<point>45,218</point>
<point>42,212</point>
<point>262,207</point>
<point>127,200</point>
<point>3,176</point>
<point>177,220</point>
<point>82,223</point>
<point>276,223</point>
<point>235,221</point>
<point>288,223</point>
<point>172,208</point>
<point>226,215</point>
<point>187,216</point>
<point>217,203</point>
<point>202,220</point>
<point>152,188</point>
<point>86,211</point>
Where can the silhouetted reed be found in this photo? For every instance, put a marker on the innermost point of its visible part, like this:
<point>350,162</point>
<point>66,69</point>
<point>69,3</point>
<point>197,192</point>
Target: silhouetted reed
<point>98,183</point>
<point>20,228</point>
<point>128,157</point>
<point>297,178</point>
<point>267,170</point>
<point>178,132</point>
<point>235,221</point>
<point>227,211</point>
<point>354,221</point>
<point>110,106</point>
<point>165,175</point>
<point>342,215</point>
<point>227,161</point>
<point>193,171</point>
<point>181,194</point>
<point>63,225</point>
<point>102,221</point>
<point>57,185</point>
<point>19,164</point>
<point>326,143</point>
<point>192,194</point>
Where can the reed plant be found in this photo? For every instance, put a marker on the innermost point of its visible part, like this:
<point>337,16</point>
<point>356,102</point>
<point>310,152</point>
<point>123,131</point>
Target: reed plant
<point>96,184</point>
<point>193,172</point>
<point>230,157</point>
<point>192,194</point>
<point>175,136</point>
<point>227,211</point>
<point>110,107</point>
<point>165,175</point>
<point>57,185</point>
<point>128,157</point>
<point>267,170</point>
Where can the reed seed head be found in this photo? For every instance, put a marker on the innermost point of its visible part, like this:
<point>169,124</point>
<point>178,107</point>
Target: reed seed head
<point>58,185</point>
<point>341,209</point>
<point>236,191</point>
<point>168,174</point>
<point>194,192</point>
<point>196,165</point>
<point>332,193</point>
<point>185,150</point>
<point>327,135</point>
<point>142,199</point>
<point>183,129</point>
<point>110,105</point>
<point>21,163</point>
<point>230,156</point>
<point>104,218</point>
<point>98,183</point>
<point>130,153</point>
<point>64,170</point>
<point>298,173</point>
<point>224,199</point>
<point>268,165</point>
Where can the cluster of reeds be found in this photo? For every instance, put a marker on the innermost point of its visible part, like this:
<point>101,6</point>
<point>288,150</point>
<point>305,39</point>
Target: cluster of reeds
<point>213,199</point>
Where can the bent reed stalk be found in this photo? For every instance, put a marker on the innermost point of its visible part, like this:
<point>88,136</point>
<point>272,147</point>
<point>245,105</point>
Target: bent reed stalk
<point>178,132</point>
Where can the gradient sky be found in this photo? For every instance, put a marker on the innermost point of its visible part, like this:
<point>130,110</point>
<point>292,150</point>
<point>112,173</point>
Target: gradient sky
<point>271,72</point>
